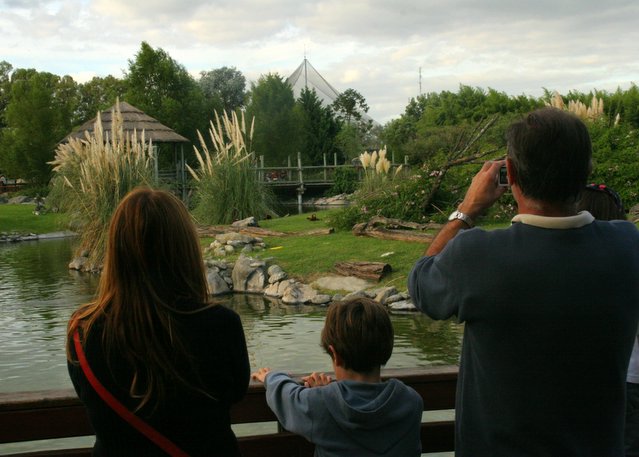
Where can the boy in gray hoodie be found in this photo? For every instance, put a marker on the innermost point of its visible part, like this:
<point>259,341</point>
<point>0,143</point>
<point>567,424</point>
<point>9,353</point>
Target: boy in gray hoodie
<point>358,415</point>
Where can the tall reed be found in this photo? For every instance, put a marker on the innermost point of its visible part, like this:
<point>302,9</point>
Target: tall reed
<point>376,171</point>
<point>227,185</point>
<point>93,174</point>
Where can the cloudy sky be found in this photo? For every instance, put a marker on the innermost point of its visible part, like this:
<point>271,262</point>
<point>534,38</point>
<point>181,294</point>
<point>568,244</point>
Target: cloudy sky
<point>376,47</point>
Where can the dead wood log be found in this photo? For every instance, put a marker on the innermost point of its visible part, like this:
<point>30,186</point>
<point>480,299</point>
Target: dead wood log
<point>376,228</point>
<point>213,230</point>
<point>364,270</point>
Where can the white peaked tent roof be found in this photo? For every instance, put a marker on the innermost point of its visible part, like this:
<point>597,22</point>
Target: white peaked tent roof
<point>307,76</point>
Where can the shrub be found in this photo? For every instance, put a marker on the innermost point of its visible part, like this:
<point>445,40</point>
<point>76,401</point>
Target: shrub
<point>227,185</point>
<point>92,175</point>
<point>345,181</point>
<point>399,198</point>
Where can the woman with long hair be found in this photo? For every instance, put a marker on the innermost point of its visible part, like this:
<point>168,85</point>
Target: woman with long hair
<point>154,342</point>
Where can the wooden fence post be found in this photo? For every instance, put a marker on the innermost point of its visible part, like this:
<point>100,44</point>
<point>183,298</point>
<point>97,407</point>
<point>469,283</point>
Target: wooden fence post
<point>325,176</point>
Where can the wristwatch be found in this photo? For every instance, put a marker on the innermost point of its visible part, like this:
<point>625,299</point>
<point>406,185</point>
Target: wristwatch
<point>462,217</point>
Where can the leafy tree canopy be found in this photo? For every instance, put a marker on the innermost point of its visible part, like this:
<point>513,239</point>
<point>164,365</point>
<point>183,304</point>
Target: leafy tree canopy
<point>319,128</point>
<point>226,84</point>
<point>277,123</point>
<point>162,88</point>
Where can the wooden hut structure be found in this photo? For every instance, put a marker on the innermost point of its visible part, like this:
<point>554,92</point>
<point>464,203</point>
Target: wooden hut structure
<point>135,119</point>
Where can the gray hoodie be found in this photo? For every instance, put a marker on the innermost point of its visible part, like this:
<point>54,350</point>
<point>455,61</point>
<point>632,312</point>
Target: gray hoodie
<point>349,418</point>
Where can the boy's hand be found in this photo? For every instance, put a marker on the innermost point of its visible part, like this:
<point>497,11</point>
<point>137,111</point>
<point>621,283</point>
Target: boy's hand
<point>260,374</point>
<point>316,380</point>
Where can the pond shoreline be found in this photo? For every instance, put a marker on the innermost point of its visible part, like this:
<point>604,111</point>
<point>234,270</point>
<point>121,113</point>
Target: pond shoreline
<point>17,237</point>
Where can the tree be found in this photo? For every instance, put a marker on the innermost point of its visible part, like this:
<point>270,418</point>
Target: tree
<point>37,117</point>
<point>226,84</point>
<point>350,105</point>
<point>319,127</point>
<point>97,95</point>
<point>277,124</point>
<point>5,88</point>
<point>162,88</point>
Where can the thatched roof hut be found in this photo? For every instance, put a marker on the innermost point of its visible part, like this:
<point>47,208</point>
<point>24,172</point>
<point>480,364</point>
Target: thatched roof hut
<point>133,119</point>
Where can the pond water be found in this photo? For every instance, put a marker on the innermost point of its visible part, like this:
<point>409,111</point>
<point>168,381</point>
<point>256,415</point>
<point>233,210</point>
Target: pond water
<point>38,294</point>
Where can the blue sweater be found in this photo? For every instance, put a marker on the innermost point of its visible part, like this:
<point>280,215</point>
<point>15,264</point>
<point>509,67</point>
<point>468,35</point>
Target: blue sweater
<point>349,418</point>
<point>550,317</point>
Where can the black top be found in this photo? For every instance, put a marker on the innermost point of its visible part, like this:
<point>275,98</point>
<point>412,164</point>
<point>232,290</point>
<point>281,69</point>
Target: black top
<point>196,423</point>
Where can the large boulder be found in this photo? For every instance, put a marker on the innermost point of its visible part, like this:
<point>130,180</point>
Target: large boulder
<point>249,275</point>
<point>217,284</point>
<point>276,274</point>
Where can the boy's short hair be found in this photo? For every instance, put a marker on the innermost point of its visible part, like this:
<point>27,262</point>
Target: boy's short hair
<point>361,332</point>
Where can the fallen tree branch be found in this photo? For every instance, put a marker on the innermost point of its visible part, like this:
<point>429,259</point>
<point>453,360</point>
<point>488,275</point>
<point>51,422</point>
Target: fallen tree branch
<point>376,228</point>
<point>211,231</point>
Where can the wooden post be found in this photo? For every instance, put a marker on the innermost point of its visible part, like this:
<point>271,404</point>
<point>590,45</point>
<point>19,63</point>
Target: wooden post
<point>156,170</point>
<point>325,177</point>
<point>335,159</point>
<point>405,160</point>
<point>183,172</point>
<point>300,189</point>
<point>261,173</point>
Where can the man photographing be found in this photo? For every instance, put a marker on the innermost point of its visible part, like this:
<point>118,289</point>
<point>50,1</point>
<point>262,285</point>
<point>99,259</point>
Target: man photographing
<point>550,304</point>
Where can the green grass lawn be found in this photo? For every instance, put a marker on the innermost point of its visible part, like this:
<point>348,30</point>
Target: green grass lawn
<point>20,219</point>
<point>310,257</point>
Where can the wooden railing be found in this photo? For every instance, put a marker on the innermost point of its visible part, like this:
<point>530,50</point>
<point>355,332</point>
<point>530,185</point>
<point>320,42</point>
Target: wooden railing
<point>33,416</point>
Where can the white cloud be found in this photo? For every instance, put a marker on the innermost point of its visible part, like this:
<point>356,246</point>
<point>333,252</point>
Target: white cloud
<point>373,46</point>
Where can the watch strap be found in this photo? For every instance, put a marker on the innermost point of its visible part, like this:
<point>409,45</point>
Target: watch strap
<point>462,217</point>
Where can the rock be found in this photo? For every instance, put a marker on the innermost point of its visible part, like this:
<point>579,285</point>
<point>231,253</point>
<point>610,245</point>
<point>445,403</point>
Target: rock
<point>348,283</point>
<point>381,295</point>
<point>356,294</point>
<point>217,284</point>
<point>403,305</point>
<point>321,299</point>
<point>276,274</point>
<point>248,222</point>
<point>335,200</point>
<point>79,263</point>
<point>298,294</point>
<point>224,238</point>
<point>249,275</point>
<point>219,252</point>
<point>247,248</point>
<point>278,289</point>
<point>20,199</point>
<point>338,297</point>
<point>633,214</point>
<point>229,249</point>
<point>394,298</point>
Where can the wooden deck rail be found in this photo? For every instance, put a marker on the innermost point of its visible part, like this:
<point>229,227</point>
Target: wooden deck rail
<point>32,416</point>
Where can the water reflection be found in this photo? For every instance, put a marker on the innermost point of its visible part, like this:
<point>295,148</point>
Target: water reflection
<point>38,294</point>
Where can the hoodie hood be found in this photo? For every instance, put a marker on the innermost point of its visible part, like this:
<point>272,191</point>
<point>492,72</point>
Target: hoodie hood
<point>375,416</point>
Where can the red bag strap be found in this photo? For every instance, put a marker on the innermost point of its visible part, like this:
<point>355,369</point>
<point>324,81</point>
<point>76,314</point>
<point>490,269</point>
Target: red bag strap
<point>160,440</point>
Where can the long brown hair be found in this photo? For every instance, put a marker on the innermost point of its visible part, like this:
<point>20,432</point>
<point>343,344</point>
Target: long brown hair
<point>153,269</point>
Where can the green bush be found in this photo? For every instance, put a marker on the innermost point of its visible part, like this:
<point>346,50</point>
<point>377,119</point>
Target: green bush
<point>345,181</point>
<point>399,198</point>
